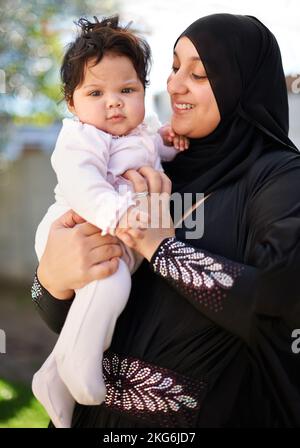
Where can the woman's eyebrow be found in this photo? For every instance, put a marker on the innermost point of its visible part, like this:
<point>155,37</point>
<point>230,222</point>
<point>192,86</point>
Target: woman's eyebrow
<point>193,58</point>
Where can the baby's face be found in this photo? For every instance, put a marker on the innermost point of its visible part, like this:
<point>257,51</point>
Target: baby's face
<point>111,96</point>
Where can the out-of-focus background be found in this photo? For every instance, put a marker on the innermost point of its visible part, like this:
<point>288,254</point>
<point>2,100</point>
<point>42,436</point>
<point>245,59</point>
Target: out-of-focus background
<point>33,35</point>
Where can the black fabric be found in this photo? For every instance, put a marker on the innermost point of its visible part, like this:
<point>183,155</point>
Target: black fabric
<point>243,64</point>
<point>52,310</point>
<point>253,219</point>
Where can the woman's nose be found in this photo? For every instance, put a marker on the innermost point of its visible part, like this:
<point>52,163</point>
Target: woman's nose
<point>176,84</point>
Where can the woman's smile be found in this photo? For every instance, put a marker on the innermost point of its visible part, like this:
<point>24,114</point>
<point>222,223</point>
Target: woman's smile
<point>180,107</point>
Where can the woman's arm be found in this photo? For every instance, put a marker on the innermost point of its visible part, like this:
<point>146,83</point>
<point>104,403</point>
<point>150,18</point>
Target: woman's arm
<point>241,298</point>
<point>75,255</point>
<point>221,289</point>
<point>52,310</point>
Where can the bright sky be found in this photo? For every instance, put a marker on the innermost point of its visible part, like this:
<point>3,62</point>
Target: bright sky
<point>164,20</point>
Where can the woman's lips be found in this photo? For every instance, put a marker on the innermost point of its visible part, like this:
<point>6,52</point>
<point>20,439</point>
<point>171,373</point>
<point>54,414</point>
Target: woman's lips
<point>181,108</point>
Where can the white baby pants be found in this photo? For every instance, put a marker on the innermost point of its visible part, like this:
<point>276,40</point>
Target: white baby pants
<point>73,371</point>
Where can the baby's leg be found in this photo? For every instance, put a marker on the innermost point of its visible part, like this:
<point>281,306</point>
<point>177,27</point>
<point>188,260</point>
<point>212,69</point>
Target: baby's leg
<point>54,395</point>
<point>42,232</point>
<point>47,385</point>
<point>88,332</point>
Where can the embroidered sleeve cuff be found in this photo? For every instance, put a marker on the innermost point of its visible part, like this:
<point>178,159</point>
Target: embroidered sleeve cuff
<point>53,311</point>
<point>159,253</point>
<point>38,293</point>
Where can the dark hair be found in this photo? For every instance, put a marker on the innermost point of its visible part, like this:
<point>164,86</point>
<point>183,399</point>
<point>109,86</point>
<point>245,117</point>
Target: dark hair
<point>96,40</point>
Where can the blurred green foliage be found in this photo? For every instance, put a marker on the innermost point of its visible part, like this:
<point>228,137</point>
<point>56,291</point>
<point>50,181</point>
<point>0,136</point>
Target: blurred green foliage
<point>31,48</point>
<point>19,408</point>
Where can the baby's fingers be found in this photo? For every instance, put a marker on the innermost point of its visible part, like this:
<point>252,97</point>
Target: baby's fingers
<point>181,142</point>
<point>176,142</point>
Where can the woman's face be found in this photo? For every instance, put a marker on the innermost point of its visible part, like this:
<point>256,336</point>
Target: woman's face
<point>195,110</point>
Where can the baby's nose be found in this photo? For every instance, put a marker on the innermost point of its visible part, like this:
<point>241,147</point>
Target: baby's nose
<point>114,101</point>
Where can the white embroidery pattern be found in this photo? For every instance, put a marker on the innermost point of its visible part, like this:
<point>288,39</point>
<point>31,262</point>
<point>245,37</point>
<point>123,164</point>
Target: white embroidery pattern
<point>36,290</point>
<point>136,386</point>
<point>198,276</point>
<point>183,262</point>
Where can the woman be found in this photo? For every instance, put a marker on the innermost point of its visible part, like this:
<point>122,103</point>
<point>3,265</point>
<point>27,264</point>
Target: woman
<point>206,337</point>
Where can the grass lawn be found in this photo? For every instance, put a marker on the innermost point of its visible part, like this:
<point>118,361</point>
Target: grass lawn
<point>19,408</point>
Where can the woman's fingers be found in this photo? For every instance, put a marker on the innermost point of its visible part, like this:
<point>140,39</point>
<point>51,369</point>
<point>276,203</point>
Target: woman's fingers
<point>68,219</point>
<point>97,240</point>
<point>149,179</point>
<point>139,182</point>
<point>166,184</point>
<point>130,236</point>
<point>158,181</point>
<point>153,179</point>
<point>103,270</point>
<point>104,253</point>
<point>87,229</point>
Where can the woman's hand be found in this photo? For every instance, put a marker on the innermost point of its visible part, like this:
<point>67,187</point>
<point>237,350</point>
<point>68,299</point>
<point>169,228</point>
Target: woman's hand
<point>145,241</point>
<point>149,179</point>
<point>75,255</point>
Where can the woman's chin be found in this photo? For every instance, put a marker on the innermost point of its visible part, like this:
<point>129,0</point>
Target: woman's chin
<point>179,128</point>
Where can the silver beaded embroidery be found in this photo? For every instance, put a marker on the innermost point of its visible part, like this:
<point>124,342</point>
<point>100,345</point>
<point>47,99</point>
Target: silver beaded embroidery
<point>203,277</point>
<point>36,289</point>
<point>143,389</point>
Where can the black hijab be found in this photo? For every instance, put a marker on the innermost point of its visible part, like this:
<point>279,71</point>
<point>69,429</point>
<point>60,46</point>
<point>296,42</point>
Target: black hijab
<point>243,64</point>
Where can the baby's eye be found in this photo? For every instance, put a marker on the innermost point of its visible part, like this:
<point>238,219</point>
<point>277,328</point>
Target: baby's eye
<point>95,93</point>
<point>175,69</point>
<point>127,90</point>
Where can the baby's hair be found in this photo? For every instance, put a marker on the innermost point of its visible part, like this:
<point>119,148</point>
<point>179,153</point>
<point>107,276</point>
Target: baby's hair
<point>96,40</point>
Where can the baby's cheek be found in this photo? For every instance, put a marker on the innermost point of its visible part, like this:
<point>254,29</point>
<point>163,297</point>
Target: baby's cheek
<point>139,109</point>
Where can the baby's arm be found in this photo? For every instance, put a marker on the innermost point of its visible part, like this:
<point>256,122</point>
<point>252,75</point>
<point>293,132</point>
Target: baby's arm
<point>80,160</point>
<point>170,138</point>
<point>168,144</point>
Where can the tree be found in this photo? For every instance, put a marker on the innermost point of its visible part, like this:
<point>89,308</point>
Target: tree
<point>31,48</point>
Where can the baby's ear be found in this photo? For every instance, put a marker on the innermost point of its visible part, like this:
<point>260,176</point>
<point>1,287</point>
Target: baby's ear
<point>71,107</point>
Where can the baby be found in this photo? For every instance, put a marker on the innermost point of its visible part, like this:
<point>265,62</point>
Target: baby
<point>104,74</point>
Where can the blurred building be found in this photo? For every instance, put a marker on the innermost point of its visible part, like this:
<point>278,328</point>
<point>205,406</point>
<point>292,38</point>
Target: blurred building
<point>26,191</point>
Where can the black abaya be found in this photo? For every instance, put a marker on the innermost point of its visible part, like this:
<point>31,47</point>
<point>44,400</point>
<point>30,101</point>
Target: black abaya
<point>240,348</point>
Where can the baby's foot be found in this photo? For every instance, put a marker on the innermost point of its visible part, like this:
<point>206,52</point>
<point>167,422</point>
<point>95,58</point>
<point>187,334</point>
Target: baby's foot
<point>82,373</point>
<point>52,393</point>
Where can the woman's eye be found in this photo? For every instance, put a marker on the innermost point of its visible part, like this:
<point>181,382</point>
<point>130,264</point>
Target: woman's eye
<point>127,90</point>
<point>198,76</point>
<point>95,93</point>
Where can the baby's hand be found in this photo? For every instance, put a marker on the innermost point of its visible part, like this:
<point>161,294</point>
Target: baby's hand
<point>169,137</point>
